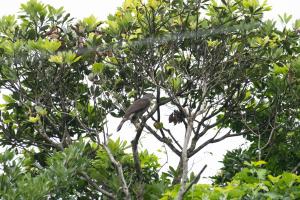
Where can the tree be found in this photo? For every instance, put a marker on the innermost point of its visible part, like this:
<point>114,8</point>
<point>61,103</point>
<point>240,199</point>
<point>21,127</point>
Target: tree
<point>215,65</point>
<point>273,130</point>
<point>223,61</point>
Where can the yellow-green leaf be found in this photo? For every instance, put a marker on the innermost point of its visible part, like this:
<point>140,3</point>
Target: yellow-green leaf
<point>41,111</point>
<point>90,22</point>
<point>213,43</point>
<point>8,99</point>
<point>34,119</point>
<point>154,3</point>
<point>45,45</point>
<point>56,59</point>
<point>176,83</point>
<point>132,93</point>
<point>260,162</point>
<point>98,68</point>
<point>274,179</point>
<point>70,57</point>
<point>247,95</point>
<point>7,121</point>
<point>280,70</point>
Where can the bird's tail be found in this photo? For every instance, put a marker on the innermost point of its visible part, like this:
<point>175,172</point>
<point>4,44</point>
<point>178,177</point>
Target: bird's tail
<point>121,124</point>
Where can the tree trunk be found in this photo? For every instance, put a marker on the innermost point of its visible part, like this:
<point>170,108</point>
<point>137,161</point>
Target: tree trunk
<point>177,178</point>
<point>184,158</point>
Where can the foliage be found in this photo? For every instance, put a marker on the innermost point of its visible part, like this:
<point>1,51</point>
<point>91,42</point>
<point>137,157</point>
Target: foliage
<point>104,172</point>
<point>252,182</point>
<point>59,177</point>
<point>218,68</point>
<point>273,131</point>
<point>24,178</point>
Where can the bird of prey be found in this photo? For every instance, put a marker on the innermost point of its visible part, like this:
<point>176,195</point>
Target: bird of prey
<point>137,108</point>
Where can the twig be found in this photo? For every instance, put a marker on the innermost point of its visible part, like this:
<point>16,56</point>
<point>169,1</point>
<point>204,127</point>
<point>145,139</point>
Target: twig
<point>120,172</point>
<point>99,189</point>
<point>196,179</point>
<point>296,168</point>
<point>163,140</point>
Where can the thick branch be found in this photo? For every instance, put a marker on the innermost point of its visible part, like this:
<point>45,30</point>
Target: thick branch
<point>163,140</point>
<point>212,140</point>
<point>43,133</point>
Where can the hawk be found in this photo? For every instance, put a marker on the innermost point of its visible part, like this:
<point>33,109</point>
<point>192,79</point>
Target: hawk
<point>137,108</point>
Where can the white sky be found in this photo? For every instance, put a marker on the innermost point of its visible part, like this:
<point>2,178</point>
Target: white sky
<point>101,8</point>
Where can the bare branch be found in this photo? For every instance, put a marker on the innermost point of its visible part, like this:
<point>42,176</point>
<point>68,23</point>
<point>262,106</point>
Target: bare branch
<point>163,139</point>
<point>212,140</point>
<point>196,179</point>
<point>174,139</point>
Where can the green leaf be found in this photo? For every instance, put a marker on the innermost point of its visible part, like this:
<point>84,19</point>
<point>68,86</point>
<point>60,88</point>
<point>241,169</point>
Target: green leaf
<point>9,73</point>
<point>273,195</point>
<point>98,68</point>
<point>274,179</point>
<point>261,174</point>
<point>286,18</point>
<point>41,111</point>
<point>90,22</point>
<point>113,27</point>
<point>56,59</point>
<point>34,119</point>
<point>176,83</point>
<point>280,70</point>
<point>44,45</point>
<point>66,17</point>
<point>288,178</point>
<point>8,98</point>
<point>297,24</point>
<point>70,57</point>
<point>259,163</point>
<point>8,47</point>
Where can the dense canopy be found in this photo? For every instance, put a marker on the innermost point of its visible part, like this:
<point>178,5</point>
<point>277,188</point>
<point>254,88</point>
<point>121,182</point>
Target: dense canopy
<point>218,68</point>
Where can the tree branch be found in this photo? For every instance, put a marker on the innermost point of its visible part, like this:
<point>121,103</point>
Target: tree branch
<point>196,179</point>
<point>163,140</point>
<point>296,168</point>
<point>120,172</point>
<point>212,140</point>
<point>99,189</point>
